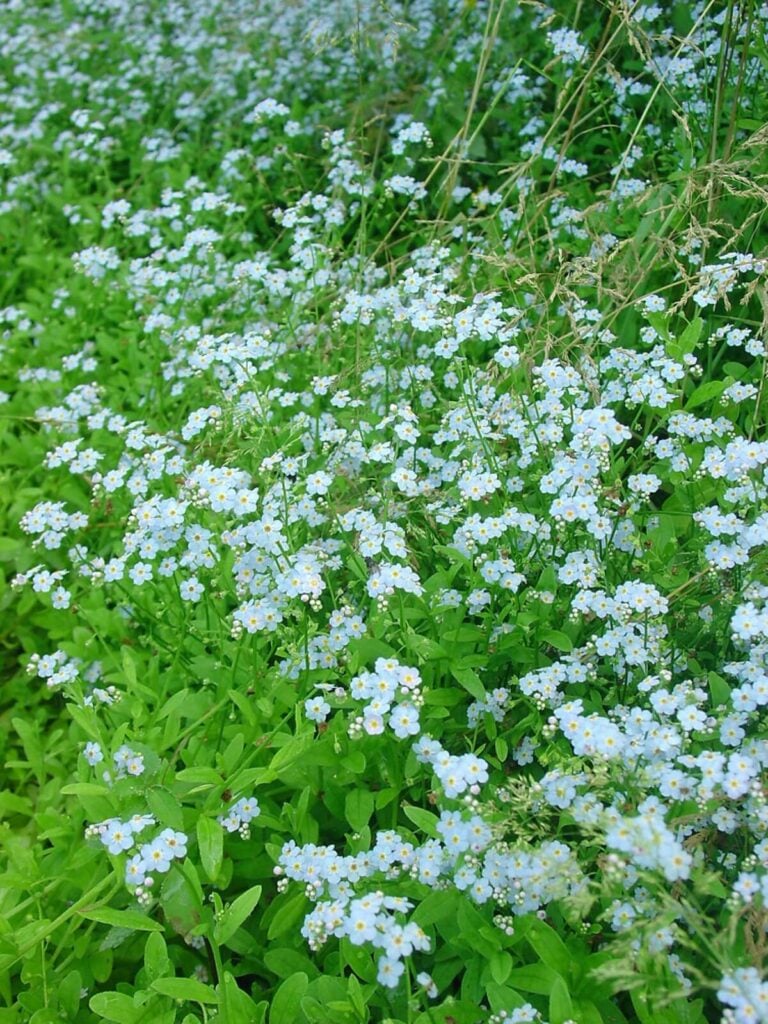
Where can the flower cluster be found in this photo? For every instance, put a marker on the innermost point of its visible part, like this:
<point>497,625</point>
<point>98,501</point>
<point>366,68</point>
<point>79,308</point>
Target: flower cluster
<point>157,855</point>
<point>240,815</point>
<point>425,498</point>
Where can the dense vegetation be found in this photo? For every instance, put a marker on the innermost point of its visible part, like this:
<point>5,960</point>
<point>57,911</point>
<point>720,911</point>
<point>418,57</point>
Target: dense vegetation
<point>385,511</point>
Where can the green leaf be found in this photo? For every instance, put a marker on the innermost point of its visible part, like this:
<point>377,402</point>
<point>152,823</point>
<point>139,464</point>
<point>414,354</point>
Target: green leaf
<point>358,808</point>
<point>368,649</point>
<point>736,370</point>
<point>641,1006</point>
<point>9,549</point>
<point>547,580</point>
<point>560,1005</point>
<point>84,789</point>
<point>165,807</point>
<point>181,898</point>
<point>500,965</point>
<point>13,804</point>
<point>385,797</point>
<point>550,948</point>
<point>210,839</point>
<point>357,567</point>
<point>704,393</point>
<point>470,680</point>
<point>436,907</point>
<point>284,961</point>
<point>287,999</point>
<point>232,754</point>
<point>156,961</point>
<point>719,688</point>
<point>198,775</point>
<point>32,747</point>
<point>175,703</point>
<point>428,650</point>
<point>244,706</point>
<point>502,997</point>
<point>465,635</point>
<point>585,1012</point>
<point>536,978</point>
<point>689,339</point>
<point>116,1007</point>
<point>235,914</point>
<point>291,753</point>
<point>424,820</point>
<point>443,698</point>
<point>315,1011</point>
<point>709,883</point>
<point>185,988</point>
<point>236,1006</point>
<point>354,762</point>
<point>284,913</point>
<point>471,931</point>
<point>129,667</point>
<point>452,554</point>
<point>133,920</point>
<point>359,959</point>
<point>68,991</point>
<point>557,639</point>
<point>356,996</point>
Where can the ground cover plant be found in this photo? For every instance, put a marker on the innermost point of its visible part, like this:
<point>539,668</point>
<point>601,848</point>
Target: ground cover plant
<point>385,512</point>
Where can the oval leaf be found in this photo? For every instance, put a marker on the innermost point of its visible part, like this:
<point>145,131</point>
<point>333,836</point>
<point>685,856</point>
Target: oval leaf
<point>185,988</point>
<point>287,999</point>
<point>116,1007</point>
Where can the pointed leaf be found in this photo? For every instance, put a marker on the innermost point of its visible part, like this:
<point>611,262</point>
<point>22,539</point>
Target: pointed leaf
<point>236,914</point>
